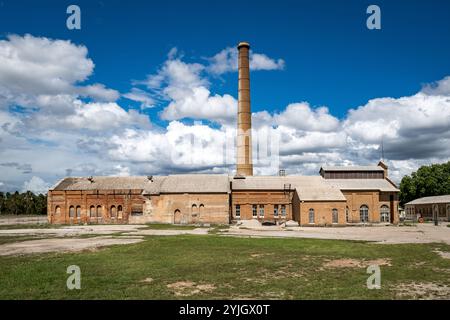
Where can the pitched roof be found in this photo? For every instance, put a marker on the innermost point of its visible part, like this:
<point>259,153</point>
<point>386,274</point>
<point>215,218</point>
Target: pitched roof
<point>102,183</point>
<point>309,188</point>
<point>352,168</point>
<point>363,184</point>
<point>431,200</point>
<point>191,183</point>
<point>187,183</point>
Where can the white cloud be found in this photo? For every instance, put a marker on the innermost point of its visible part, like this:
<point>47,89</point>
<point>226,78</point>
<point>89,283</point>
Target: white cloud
<point>413,127</point>
<point>36,185</point>
<point>202,105</point>
<point>227,61</point>
<point>302,117</point>
<point>141,96</point>
<point>33,66</point>
<point>99,92</point>
<point>61,134</point>
<point>441,87</point>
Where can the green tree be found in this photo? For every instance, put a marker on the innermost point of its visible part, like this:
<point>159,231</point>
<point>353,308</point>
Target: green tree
<point>433,180</point>
<point>23,203</point>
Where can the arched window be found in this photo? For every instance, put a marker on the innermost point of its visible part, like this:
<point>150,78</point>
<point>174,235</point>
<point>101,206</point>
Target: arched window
<point>71,211</point>
<point>78,212</point>
<point>112,212</point>
<point>177,216</point>
<point>384,216</point>
<point>201,208</point>
<point>99,211</point>
<point>194,209</point>
<point>119,212</point>
<point>311,215</point>
<point>57,210</point>
<point>347,214</point>
<point>92,211</point>
<point>335,216</point>
<point>364,213</point>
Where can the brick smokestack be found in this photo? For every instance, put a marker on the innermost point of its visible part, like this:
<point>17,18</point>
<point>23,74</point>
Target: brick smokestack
<point>244,139</point>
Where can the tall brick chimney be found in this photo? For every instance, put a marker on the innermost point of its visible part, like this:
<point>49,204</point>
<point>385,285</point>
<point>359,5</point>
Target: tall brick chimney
<point>244,166</point>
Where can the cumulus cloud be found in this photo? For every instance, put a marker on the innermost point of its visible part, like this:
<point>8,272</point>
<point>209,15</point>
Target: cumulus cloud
<point>302,117</point>
<point>187,91</point>
<point>441,87</point>
<point>139,95</point>
<point>36,185</point>
<point>200,104</point>
<point>227,61</point>
<point>32,66</point>
<point>410,127</point>
<point>62,133</point>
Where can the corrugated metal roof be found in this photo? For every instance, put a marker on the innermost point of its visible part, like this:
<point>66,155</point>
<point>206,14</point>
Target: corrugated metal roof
<point>309,188</point>
<point>352,168</point>
<point>431,200</point>
<point>363,184</point>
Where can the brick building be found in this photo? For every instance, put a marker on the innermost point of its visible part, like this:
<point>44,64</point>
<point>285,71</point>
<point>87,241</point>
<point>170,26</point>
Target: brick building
<point>429,208</point>
<point>221,199</point>
<point>340,195</point>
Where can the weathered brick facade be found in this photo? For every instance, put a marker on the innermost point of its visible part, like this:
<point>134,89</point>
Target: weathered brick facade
<point>93,206</point>
<point>311,201</point>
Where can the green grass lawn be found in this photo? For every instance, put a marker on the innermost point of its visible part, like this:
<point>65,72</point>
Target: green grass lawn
<point>217,267</point>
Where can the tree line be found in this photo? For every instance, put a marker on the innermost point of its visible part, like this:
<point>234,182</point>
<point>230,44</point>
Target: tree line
<point>22,203</point>
<point>433,180</point>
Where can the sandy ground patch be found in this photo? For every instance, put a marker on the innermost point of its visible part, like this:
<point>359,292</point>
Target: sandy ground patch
<point>423,291</point>
<point>259,255</point>
<point>354,263</point>
<point>63,245</point>
<point>125,229</point>
<point>445,255</point>
<point>147,280</point>
<point>421,233</point>
<point>188,288</point>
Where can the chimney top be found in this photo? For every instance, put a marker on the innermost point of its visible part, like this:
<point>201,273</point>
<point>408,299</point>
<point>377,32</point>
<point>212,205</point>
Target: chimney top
<point>243,44</point>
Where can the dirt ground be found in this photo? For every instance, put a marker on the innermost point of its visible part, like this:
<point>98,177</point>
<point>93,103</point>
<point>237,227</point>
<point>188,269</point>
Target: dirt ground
<point>61,245</point>
<point>419,233</point>
<point>76,238</point>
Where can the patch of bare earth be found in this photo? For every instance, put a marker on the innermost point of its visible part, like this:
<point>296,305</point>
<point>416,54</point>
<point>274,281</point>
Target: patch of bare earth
<point>260,255</point>
<point>147,280</point>
<point>355,263</point>
<point>64,245</point>
<point>189,288</point>
<point>422,290</point>
<point>445,255</point>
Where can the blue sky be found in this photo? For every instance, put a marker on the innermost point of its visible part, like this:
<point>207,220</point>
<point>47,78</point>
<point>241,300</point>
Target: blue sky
<point>330,59</point>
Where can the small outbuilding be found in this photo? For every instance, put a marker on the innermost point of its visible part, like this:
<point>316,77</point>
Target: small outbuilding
<point>429,208</point>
